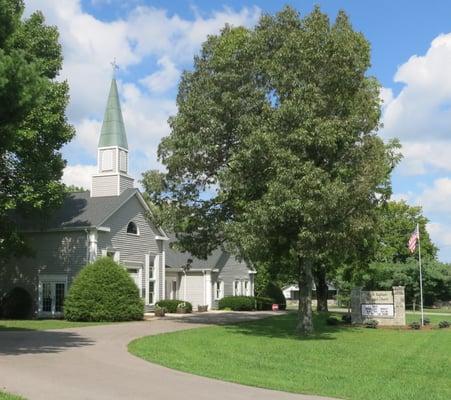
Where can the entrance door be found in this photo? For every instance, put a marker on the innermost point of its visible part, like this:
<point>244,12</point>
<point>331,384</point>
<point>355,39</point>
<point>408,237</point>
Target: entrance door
<point>52,296</point>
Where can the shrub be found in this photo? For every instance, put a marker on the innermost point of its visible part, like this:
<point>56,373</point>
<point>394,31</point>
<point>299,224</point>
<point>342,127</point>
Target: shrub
<point>332,321</point>
<point>264,303</point>
<point>370,323</point>
<point>237,303</point>
<point>171,305</point>
<point>184,307</point>
<point>444,324</point>
<point>415,325</point>
<point>346,318</point>
<point>17,304</point>
<point>273,291</point>
<point>103,291</point>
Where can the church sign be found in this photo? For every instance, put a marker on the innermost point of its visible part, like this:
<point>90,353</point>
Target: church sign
<point>386,307</point>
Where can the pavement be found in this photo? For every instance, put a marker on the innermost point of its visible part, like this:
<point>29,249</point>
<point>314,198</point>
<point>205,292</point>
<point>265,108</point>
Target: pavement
<point>93,363</point>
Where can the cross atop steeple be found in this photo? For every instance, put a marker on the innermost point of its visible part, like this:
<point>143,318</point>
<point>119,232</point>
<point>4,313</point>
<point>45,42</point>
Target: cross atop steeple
<point>115,66</point>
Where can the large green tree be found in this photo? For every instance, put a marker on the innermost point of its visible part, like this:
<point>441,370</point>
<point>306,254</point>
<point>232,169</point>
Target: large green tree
<point>33,125</point>
<point>274,148</point>
<point>397,223</point>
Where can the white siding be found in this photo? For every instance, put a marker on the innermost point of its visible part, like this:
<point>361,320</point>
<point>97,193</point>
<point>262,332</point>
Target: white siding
<point>194,288</point>
<point>231,271</point>
<point>104,185</point>
<point>125,182</point>
<point>55,253</point>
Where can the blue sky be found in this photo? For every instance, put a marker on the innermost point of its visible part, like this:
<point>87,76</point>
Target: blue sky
<point>153,41</point>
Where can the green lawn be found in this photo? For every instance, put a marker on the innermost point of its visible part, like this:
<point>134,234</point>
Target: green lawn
<point>41,324</point>
<point>8,396</point>
<point>343,362</point>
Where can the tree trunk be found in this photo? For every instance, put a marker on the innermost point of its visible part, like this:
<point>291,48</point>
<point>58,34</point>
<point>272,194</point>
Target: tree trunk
<point>321,289</point>
<point>305,320</point>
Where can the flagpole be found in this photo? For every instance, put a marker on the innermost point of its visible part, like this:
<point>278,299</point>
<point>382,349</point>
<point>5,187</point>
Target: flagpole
<point>421,275</point>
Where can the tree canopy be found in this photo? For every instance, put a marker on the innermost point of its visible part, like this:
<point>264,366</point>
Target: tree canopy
<point>33,125</point>
<point>397,223</point>
<point>274,147</point>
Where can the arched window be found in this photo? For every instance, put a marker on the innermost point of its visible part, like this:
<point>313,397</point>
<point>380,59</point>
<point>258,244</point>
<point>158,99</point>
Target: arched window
<point>132,228</point>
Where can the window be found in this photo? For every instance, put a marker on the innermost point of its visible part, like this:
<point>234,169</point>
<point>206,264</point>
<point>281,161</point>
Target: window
<point>219,290</point>
<point>236,288</point>
<point>132,228</point>
<point>151,291</point>
<point>52,290</point>
<point>246,288</point>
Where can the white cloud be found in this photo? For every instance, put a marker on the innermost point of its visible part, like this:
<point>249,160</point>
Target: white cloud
<point>440,233</point>
<point>87,135</point>
<point>164,79</point>
<point>422,110</point>
<point>79,175</point>
<point>436,198</point>
<point>139,38</point>
<point>420,157</point>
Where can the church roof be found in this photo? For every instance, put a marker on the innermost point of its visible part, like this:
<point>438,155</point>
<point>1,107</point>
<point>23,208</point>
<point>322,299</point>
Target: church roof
<point>80,210</point>
<point>113,128</point>
<point>175,258</point>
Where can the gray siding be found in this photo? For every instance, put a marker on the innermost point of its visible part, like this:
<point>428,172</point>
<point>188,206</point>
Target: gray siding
<point>104,185</point>
<point>125,182</point>
<point>232,270</point>
<point>131,247</point>
<point>54,253</point>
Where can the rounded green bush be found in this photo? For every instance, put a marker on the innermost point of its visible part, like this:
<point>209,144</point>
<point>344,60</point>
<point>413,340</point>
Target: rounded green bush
<point>264,303</point>
<point>171,305</point>
<point>103,291</point>
<point>17,304</point>
<point>237,303</point>
<point>273,291</point>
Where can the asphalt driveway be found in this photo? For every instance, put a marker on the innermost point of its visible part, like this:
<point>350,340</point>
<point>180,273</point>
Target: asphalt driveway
<point>93,363</point>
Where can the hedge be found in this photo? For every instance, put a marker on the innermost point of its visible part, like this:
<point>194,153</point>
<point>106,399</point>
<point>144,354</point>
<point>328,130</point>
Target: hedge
<point>103,291</point>
<point>16,304</point>
<point>171,305</point>
<point>238,303</point>
<point>273,291</point>
<point>264,303</point>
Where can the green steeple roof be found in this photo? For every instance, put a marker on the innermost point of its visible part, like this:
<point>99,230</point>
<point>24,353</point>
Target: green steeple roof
<point>113,129</point>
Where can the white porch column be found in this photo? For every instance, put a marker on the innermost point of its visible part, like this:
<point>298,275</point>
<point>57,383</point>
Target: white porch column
<point>163,272</point>
<point>146,278</point>
<point>156,275</point>
<point>92,246</point>
<point>208,288</point>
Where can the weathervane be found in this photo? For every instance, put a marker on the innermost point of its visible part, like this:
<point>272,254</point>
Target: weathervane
<point>115,67</point>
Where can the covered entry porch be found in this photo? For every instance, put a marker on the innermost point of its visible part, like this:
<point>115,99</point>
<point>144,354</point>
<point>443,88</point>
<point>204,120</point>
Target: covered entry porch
<point>195,286</point>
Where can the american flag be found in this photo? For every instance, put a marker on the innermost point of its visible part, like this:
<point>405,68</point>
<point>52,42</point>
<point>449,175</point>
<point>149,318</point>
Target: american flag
<point>412,244</point>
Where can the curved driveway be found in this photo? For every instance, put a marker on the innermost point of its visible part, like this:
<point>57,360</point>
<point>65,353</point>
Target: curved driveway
<point>93,363</point>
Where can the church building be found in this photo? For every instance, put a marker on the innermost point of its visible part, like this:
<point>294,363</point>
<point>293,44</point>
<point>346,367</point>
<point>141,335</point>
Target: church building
<point>112,220</point>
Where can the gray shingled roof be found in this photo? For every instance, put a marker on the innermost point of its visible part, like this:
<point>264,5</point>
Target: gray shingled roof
<point>80,210</point>
<point>175,259</point>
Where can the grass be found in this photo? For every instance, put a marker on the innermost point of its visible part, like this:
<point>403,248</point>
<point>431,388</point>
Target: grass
<point>42,324</point>
<point>9,396</point>
<point>344,362</point>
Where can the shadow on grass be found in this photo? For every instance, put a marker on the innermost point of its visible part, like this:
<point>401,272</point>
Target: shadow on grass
<point>17,341</point>
<point>285,327</point>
